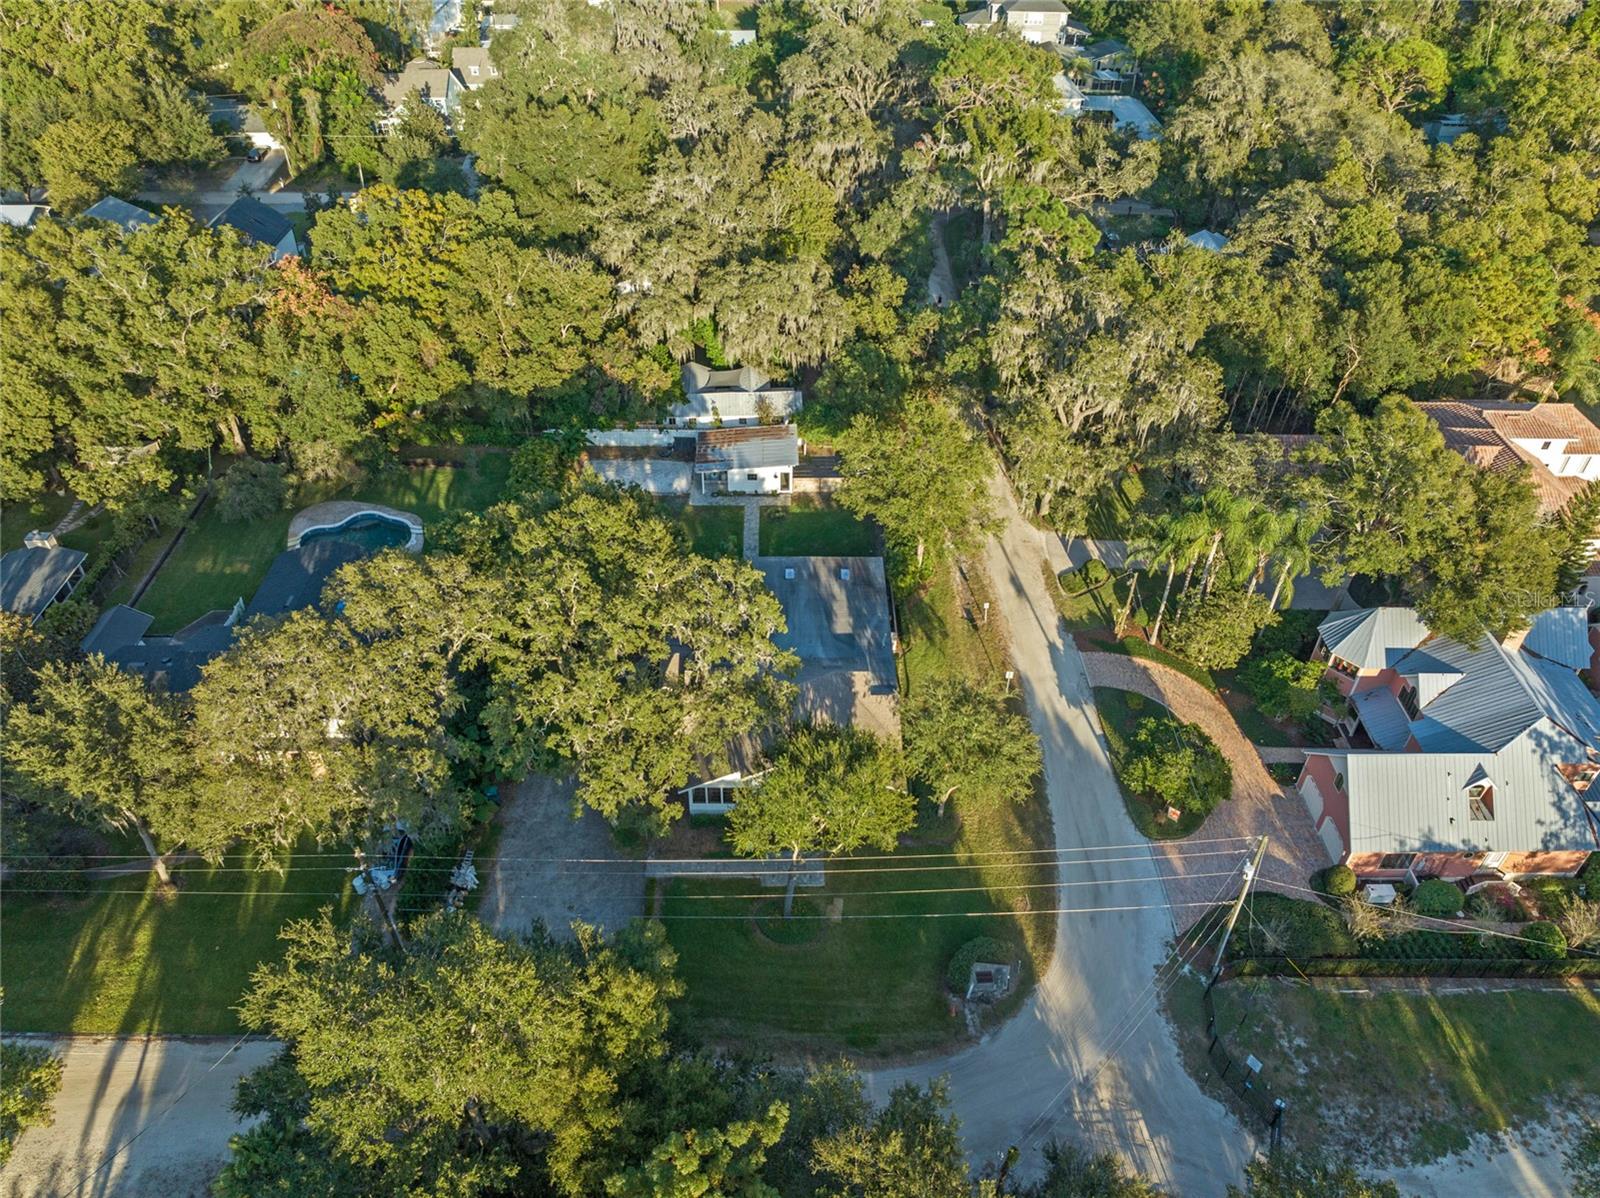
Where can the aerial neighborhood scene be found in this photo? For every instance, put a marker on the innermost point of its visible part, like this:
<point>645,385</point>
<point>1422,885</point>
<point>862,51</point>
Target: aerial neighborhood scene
<point>800,598</point>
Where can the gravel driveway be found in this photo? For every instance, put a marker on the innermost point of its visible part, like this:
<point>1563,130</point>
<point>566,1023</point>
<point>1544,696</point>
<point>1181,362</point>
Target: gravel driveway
<point>554,868</point>
<point>164,1102</point>
<point>1259,807</point>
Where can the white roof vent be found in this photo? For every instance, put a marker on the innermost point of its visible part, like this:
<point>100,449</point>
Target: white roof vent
<point>788,572</point>
<point>844,573</point>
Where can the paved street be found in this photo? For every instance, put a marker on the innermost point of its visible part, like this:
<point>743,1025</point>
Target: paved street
<point>164,1102</point>
<point>1025,1083</point>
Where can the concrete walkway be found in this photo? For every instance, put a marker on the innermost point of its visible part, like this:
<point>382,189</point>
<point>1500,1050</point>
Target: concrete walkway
<point>1088,1058</point>
<point>139,1117</point>
<point>1259,806</point>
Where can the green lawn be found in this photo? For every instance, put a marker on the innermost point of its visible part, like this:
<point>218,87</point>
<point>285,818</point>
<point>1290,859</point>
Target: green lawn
<point>811,994</point>
<point>19,519</point>
<point>815,528</point>
<point>123,960</point>
<point>1404,1076</point>
<point>713,531</point>
<point>1121,712</point>
<point>216,563</point>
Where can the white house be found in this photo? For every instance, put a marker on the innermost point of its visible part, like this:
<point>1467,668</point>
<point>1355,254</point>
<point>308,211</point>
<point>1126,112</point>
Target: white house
<point>742,395</point>
<point>749,460</point>
<point>717,796</point>
<point>1043,22</point>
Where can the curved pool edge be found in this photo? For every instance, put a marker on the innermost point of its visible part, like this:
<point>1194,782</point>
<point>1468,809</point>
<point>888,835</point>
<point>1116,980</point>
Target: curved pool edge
<point>335,515</point>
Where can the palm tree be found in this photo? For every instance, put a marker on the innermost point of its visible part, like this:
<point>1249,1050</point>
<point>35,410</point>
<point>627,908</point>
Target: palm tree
<point>1294,553</point>
<point>1229,518</point>
<point>1176,539</point>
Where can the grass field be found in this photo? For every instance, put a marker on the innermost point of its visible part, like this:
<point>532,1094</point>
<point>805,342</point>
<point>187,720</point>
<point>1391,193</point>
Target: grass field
<point>122,959</point>
<point>815,528</point>
<point>1121,712</point>
<point>713,531</point>
<point>810,995</point>
<point>216,562</point>
<point>1404,1077</point>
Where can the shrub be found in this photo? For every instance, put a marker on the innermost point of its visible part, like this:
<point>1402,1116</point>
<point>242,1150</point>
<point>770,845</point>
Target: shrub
<point>1436,897</point>
<point>1087,577</point>
<point>981,948</point>
<point>539,464</point>
<point>1543,941</point>
<point>1339,881</point>
<point>1217,630</point>
<point>251,490</point>
<point>1285,687</point>
<point>29,1078</point>
<point>1176,763</point>
<point>1580,923</point>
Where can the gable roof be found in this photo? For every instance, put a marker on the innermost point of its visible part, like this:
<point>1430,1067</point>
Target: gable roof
<point>21,215</point>
<point>1561,635</point>
<point>749,448</point>
<point>464,58</point>
<point>1206,239</point>
<point>1365,637</point>
<point>699,378</point>
<point>420,75</point>
<point>119,212</point>
<point>118,627</point>
<point>30,579</point>
<point>1483,432</point>
<point>255,220</point>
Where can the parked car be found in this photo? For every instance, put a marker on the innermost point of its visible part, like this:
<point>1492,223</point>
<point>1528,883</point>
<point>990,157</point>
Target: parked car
<point>255,154</point>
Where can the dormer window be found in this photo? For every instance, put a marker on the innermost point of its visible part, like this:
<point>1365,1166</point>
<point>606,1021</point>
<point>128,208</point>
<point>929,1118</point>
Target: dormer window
<point>1480,802</point>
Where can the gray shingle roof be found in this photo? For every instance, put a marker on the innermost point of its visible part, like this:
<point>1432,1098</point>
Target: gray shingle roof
<point>119,627</point>
<point>296,577</point>
<point>30,579</point>
<point>255,220</point>
<point>124,215</point>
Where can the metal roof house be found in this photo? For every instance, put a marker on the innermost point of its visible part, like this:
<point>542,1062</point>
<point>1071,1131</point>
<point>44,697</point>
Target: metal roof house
<point>740,395</point>
<point>1457,751</point>
<point>750,460</point>
<point>259,225</point>
<point>39,574</point>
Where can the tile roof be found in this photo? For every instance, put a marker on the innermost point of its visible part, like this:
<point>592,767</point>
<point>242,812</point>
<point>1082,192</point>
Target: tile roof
<point>1483,432</point>
<point>747,448</point>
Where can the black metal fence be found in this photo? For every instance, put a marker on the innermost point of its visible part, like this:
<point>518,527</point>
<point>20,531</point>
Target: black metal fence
<point>1451,967</point>
<point>1243,1077</point>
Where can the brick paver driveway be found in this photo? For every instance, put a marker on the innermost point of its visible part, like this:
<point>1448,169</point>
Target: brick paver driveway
<point>1259,806</point>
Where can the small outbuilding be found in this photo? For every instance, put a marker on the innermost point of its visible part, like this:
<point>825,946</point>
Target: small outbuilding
<point>38,575</point>
<point>259,225</point>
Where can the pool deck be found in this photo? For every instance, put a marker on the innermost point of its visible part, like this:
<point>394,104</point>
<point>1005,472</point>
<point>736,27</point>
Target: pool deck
<point>337,511</point>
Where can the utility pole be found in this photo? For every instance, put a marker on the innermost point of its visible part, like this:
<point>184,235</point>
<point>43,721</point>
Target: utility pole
<point>1250,871</point>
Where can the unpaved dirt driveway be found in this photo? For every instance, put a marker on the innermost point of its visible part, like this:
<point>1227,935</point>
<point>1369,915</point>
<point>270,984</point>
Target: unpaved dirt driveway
<point>165,1103</point>
<point>554,868</point>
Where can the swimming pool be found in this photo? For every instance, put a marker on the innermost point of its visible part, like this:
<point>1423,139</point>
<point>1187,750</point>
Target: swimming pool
<point>369,530</point>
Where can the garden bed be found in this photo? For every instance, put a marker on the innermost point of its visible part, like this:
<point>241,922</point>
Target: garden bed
<point>1121,713</point>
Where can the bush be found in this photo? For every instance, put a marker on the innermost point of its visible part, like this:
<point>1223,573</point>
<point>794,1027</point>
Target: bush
<point>1087,577</point>
<point>1176,763</point>
<point>1437,898</point>
<point>982,948</point>
<point>1339,881</point>
<point>538,465</point>
<point>1285,687</point>
<point>29,1078</point>
<point>1543,941</point>
<point>1217,630</point>
<point>251,490</point>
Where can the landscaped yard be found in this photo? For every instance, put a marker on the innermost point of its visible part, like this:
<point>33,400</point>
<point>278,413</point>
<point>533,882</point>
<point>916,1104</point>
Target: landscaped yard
<point>1121,712</point>
<point>121,959</point>
<point>810,990</point>
<point>713,530</point>
<point>811,527</point>
<point>217,563</point>
<point>1402,1076</point>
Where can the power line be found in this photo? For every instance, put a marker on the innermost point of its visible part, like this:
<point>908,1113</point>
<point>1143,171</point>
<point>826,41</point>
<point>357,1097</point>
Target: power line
<point>1088,848</point>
